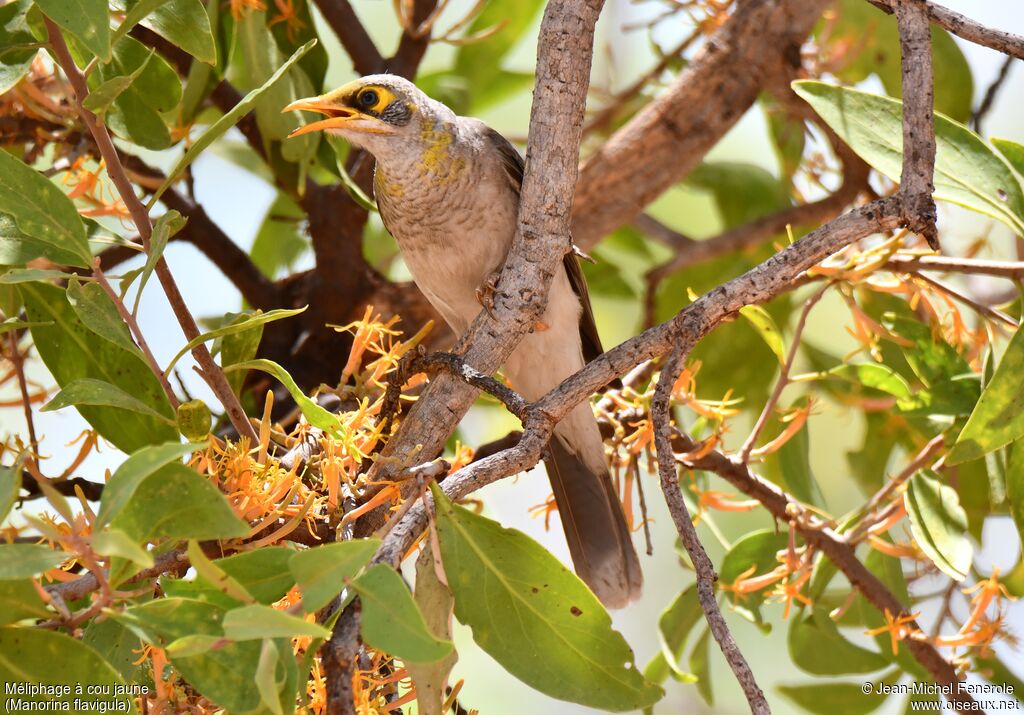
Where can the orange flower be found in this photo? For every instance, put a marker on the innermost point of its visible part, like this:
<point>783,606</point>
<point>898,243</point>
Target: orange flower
<point>238,7</point>
<point>899,627</point>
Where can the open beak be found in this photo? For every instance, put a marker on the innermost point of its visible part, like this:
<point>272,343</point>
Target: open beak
<point>337,115</point>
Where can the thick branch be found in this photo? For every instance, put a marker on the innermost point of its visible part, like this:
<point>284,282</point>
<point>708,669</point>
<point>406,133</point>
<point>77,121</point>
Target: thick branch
<point>705,569</point>
<point>668,138</point>
<point>366,59</point>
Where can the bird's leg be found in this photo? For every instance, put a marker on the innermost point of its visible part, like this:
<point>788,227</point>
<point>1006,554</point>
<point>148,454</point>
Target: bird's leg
<point>485,292</point>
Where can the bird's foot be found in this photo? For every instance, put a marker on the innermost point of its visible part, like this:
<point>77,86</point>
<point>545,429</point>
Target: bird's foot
<point>485,293</point>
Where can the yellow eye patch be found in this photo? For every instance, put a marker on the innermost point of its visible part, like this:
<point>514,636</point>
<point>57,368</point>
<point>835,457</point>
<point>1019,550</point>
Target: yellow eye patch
<point>373,98</point>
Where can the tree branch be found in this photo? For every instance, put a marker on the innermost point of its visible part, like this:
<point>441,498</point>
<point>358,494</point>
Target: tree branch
<point>668,138</point>
<point>366,59</point>
<point>704,568</point>
<point>962,26</point>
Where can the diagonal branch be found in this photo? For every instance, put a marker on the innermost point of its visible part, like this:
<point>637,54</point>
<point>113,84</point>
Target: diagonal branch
<point>962,26</point>
<point>702,565</point>
<point>366,58</point>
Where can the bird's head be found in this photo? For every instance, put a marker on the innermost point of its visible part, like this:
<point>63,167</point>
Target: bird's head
<point>376,112</point>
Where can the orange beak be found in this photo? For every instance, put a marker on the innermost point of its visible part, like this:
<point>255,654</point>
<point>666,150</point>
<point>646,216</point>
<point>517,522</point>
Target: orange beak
<point>337,115</point>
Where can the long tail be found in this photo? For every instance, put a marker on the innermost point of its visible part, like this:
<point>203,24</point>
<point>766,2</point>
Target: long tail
<point>595,527</point>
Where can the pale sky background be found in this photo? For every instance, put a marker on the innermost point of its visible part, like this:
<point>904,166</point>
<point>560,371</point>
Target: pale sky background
<point>238,201</point>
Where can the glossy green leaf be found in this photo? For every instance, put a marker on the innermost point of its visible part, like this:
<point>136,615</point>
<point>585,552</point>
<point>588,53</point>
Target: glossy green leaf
<point>391,621</point>
<point>185,24</point>
<point>19,46</point>
<point>227,121</point>
<point>114,542</point>
<point>133,15</point>
<point>967,171</point>
<point>264,573</point>
<point>817,647</point>
<point>177,503</point>
<point>765,326</point>
<point>998,418</point>
<point>41,210</point>
<point>10,486</point>
<point>1015,486</point>
<point>19,600</point>
<point>100,99</point>
<point>939,524</point>
<point>127,478</point>
<point>323,571</point>
<point>117,645</point>
<point>314,413</point>
<point>25,560</point>
<point>29,655</point>
<point>87,20</point>
<point>137,113</point>
<point>257,318</point>
<point>793,460</point>
<point>71,351</point>
<point>539,620</point>
<point>87,391</point>
<point>18,248</point>
<point>239,347</point>
<point>14,276</point>
<point>257,621</point>
<point>435,602</point>
<point>217,577</point>
<point>701,667</point>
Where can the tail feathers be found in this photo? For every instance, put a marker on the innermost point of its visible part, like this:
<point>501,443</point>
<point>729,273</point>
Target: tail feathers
<point>595,527</point>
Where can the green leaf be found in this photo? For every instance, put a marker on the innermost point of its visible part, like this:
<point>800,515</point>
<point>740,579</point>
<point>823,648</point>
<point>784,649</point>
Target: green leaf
<point>256,621</point>
<point>757,549</point>
<point>87,391</point>
<point>25,560</point>
<point>765,326</point>
<point>392,622</point>
<point>85,19</point>
<point>183,23</point>
<point>114,542</point>
<point>116,644</point>
<point>239,347</point>
<point>10,324</point>
<point>18,45</point>
<point>41,210</point>
<point>967,171</point>
<point>257,318</point>
<point>833,698</point>
<point>266,679</point>
<point>28,655</point>
<point>19,600</point>
<point>939,524</point>
<point>435,602</point>
<point>874,375</point>
<point>71,351</point>
<point>314,413</point>
<point>1015,486</point>
<point>226,122</point>
<point>100,99</point>
<point>137,113</point>
<point>263,573</point>
<point>18,248</point>
<point>132,472</point>
<point>998,418</point>
<point>133,16</point>
<point>10,486</point>
<point>674,625</point>
<point>14,276</point>
<point>280,240</point>
<point>793,460</point>
<point>817,647</point>
<point>700,666</point>
<point>177,503</point>
<point>323,571</point>
<point>1013,152</point>
<point>215,576</point>
<point>225,673</point>
<point>164,227</point>
<point>539,621</point>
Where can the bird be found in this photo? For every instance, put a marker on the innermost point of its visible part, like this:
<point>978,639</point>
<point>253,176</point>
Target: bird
<point>447,188</point>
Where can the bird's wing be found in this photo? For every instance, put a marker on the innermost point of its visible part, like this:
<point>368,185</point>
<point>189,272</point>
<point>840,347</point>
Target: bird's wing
<point>512,162</point>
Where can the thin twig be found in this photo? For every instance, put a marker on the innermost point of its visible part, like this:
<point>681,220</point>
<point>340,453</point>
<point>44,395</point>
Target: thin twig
<point>18,360</point>
<point>211,372</point>
<point>978,116</point>
<point>136,329</point>
<point>783,380</point>
<point>985,310</point>
<point>704,568</point>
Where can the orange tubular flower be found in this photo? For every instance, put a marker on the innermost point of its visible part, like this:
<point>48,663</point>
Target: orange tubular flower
<point>899,628</point>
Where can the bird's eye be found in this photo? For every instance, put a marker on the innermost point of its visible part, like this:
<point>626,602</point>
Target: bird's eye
<point>368,99</point>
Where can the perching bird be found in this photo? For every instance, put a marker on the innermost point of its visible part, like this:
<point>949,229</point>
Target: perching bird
<point>448,190</point>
